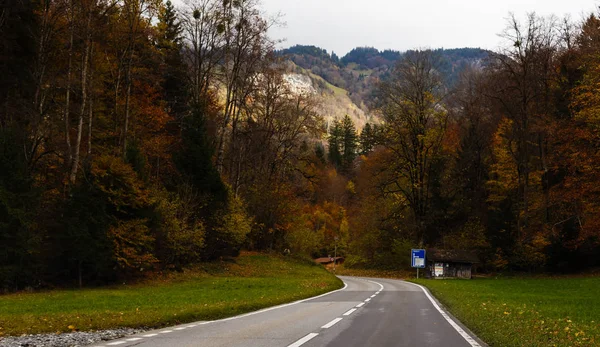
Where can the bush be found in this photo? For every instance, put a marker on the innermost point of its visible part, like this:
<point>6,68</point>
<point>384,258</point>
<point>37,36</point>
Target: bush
<point>178,229</point>
<point>232,224</point>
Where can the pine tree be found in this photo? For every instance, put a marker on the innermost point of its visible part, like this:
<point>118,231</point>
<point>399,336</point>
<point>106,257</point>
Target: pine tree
<point>320,152</point>
<point>335,144</point>
<point>195,158</point>
<point>366,140</point>
<point>349,143</point>
<point>175,86</point>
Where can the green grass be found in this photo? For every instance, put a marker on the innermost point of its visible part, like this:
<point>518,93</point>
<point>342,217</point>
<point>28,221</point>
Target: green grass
<point>337,91</point>
<point>525,311</point>
<point>217,290</point>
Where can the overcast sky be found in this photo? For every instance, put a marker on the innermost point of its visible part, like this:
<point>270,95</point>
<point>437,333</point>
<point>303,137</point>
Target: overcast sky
<point>341,25</point>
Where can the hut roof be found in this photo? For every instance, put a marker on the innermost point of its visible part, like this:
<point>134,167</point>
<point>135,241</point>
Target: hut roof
<point>328,260</point>
<point>452,256</point>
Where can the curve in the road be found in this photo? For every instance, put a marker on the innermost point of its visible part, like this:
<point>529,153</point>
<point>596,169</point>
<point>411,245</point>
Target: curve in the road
<point>365,312</point>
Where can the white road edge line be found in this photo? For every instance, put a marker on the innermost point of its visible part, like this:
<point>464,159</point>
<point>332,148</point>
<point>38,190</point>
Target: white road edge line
<point>332,323</point>
<point>456,327</point>
<point>379,284</point>
<point>134,339</point>
<point>360,305</point>
<point>257,312</point>
<point>303,340</point>
<point>116,343</point>
<point>181,328</point>
<point>350,311</point>
<point>274,307</point>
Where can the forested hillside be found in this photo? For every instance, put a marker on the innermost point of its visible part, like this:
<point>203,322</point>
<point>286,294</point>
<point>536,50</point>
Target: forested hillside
<point>138,137</point>
<point>360,70</point>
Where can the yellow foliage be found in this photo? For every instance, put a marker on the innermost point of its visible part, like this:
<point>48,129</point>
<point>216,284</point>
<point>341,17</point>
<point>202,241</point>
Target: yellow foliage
<point>235,224</point>
<point>132,244</point>
<point>119,183</point>
<point>183,233</point>
<point>504,178</point>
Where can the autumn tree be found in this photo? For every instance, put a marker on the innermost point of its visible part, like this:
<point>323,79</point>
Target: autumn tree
<point>276,135</point>
<point>573,175</point>
<point>523,91</point>
<point>245,45</point>
<point>202,44</point>
<point>416,123</point>
<point>474,121</point>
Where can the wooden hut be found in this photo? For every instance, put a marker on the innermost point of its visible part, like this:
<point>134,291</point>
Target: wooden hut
<point>443,264</point>
<point>329,260</point>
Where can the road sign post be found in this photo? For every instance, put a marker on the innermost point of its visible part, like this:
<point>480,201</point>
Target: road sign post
<point>417,257</point>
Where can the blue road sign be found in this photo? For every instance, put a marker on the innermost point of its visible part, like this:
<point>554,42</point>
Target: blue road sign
<point>418,258</point>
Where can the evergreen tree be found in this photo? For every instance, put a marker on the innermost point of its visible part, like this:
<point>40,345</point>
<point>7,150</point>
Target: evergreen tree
<point>349,143</point>
<point>320,152</point>
<point>195,158</point>
<point>335,144</point>
<point>335,57</point>
<point>175,86</point>
<point>18,29</point>
<point>19,243</point>
<point>366,140</point>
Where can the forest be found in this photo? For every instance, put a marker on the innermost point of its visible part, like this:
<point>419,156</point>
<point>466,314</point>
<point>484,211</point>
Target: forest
<point>136,137</point>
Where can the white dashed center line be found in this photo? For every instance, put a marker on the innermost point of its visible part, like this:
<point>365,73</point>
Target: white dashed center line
<point>349,312</point>
<point>360,305</point>
<point>332,323</point>
<point>369,299</point>
<point>303,340</point>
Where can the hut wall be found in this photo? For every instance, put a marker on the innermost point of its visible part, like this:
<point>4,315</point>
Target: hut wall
<point>450,270</point>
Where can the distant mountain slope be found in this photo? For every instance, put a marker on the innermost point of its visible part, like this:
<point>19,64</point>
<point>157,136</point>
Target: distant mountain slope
<point>334,102</point>
<point>348,84</point>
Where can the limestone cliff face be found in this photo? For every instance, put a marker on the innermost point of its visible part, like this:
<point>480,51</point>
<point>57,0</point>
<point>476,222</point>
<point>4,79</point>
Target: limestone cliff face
<point>333,102</point>
<point>299,84</point>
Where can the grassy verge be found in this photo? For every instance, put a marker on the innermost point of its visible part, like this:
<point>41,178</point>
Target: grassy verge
<point>525,312</point>
<point>252,282</point>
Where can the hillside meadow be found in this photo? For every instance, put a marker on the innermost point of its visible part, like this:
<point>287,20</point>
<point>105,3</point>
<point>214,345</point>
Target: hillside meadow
<point>211,291</point>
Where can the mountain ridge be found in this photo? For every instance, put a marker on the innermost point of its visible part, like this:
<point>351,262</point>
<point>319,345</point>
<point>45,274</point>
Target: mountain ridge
<point>347,85</point>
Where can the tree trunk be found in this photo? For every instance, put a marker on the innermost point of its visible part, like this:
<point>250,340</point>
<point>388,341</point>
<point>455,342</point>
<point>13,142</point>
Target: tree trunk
<point>84,75</point>
<point>68,96</point>
<point>91,107</point>
<point>127,103</point>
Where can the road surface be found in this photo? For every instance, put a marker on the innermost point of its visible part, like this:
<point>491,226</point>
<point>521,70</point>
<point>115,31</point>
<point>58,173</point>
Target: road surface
<point>366,312</point>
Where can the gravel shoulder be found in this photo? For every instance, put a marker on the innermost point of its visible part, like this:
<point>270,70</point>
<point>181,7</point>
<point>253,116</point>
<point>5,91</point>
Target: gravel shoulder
<point>67,339</point>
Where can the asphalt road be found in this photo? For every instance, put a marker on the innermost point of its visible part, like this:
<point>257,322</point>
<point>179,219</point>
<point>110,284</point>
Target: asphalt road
<point>366,312</point>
